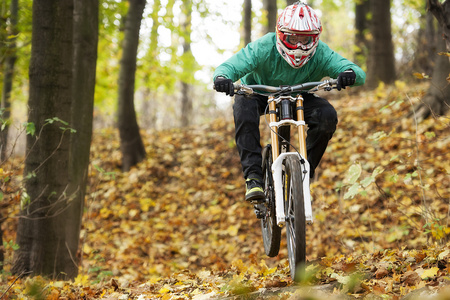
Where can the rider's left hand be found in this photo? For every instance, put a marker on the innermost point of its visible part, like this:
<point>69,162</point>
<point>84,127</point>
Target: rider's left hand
<point>346,78</point>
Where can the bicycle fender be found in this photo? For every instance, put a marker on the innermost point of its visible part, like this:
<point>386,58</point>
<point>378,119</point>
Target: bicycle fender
<point>277,170</point>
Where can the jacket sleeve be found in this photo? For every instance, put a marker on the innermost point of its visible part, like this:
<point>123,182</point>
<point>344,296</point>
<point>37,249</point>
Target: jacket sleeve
<point>240,64</point>
<point>334,64</point>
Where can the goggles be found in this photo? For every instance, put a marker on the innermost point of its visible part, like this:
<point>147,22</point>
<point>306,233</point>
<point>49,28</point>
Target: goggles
<point>296,41</point>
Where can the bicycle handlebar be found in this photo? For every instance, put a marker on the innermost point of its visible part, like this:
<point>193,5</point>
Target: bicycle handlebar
<point>326,85</point>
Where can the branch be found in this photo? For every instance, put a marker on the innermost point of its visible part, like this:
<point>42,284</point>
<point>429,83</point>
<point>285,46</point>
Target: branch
<point>435,7</point>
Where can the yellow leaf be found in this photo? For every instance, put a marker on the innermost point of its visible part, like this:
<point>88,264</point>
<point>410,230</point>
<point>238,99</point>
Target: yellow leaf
<point>82,280</point>
<point>165,289</point>
<point>400,85</point>
<point>239,264</point>
<point>146,203</point>
<point>233,230</point>
<point>429,273</point>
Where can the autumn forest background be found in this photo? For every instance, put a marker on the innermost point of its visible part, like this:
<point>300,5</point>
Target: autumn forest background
<point>120,178</point>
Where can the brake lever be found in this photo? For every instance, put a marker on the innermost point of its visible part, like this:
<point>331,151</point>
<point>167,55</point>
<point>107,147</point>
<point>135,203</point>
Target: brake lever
<point>243,90</point>
<point>326,86</point>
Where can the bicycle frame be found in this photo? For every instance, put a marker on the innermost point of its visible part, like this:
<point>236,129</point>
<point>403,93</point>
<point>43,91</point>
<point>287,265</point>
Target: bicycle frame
<point>278,159</point>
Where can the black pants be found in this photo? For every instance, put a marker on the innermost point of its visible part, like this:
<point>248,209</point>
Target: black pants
<point>320,116</point>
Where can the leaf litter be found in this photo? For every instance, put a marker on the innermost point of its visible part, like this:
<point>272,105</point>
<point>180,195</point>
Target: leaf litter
<point>176,225</point>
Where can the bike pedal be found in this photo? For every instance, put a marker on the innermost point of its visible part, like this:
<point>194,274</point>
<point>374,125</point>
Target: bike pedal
<point>257,201</point>
<point>259,214</point>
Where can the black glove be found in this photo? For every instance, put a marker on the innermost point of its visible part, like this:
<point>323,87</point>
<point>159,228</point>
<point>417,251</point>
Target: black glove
<point>346,78</point>
<point>224,85</point>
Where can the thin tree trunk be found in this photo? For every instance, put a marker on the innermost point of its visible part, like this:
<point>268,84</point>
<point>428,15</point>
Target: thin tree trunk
<point>270,7</point>
<point>10,60</point>
<point>8,75</point>
<point>85,58</point>
<point>42,228</point>
<point>362,9</point>
<point>131,144</point>
<point>425,54</point>
<point>188,59</point>
<point>247,21</point>
<point>381,66</point>
<point>437,99</point>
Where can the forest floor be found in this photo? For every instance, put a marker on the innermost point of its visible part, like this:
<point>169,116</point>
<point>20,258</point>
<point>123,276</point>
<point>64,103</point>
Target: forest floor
<point>176,226</point>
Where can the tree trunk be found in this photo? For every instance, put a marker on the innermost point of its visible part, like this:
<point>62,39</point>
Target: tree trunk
<point>131,144</point>
<point>270,7</point>
<point>362,10</point>
<point>42,227</point>
<point>149,103</point>
<point>437,99</point>
<point>188,59</point>
<point>381,65</point>
<point>10,60</point>
<point>442,13</point>
<point>247,21</point>
<point>289,2</point>
<point>85,58</point>
<point>425,54</point>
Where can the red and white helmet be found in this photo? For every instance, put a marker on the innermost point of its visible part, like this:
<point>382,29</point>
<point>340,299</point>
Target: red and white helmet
<point>298,29</point>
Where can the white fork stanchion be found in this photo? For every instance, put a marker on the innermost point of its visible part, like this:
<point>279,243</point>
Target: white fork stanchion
<point>277,170</point>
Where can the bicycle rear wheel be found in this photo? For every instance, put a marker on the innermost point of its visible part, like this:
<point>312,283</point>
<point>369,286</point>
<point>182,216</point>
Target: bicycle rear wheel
<point>295,216</point>
<point>271,232</point>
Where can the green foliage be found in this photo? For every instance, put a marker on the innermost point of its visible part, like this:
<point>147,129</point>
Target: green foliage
<point>25,199</point>
<point>437,229</point>
<point>36,288</point>
<point>30,128</point>
<point>4,122</point>
<point>63,128</point>
<point>98,271</point>
<point>10,245</point>
<point>104,173</point>
<point>356,186</point>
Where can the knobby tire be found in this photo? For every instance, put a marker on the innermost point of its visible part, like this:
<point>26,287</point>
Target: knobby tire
<point>295,216</point>
<point>271,232</point>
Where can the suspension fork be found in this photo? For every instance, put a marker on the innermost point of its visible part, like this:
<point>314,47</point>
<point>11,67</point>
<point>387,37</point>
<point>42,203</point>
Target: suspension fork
<point>274,131</point>
<point>302,127</point>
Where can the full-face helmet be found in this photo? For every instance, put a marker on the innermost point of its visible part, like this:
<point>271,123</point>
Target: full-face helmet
<point>298,30</point>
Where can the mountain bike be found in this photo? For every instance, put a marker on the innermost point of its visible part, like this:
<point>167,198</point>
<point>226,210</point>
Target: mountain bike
<point>286,173</point>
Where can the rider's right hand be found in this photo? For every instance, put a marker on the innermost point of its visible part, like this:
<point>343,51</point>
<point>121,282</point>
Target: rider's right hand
<point>224,85</point>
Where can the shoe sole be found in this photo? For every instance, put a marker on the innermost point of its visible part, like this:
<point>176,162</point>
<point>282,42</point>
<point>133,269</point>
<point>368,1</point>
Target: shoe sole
<point>255,197</point>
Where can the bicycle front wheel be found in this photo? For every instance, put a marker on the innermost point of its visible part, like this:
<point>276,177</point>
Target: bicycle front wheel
<point>271,232</point>
<point>295,216</point>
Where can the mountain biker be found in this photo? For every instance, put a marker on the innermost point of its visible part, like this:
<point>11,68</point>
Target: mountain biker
<point>292,55</point>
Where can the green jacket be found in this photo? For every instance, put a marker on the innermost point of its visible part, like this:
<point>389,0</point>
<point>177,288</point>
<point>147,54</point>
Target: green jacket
<point>261,63</point>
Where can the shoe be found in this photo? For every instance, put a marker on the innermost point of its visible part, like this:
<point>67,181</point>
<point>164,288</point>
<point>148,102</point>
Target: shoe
<point>255,192</point>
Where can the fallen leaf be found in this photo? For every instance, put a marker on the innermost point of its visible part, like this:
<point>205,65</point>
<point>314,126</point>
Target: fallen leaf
<point>381,272</point>
<point>429,273</point>
<point>410,278</point>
